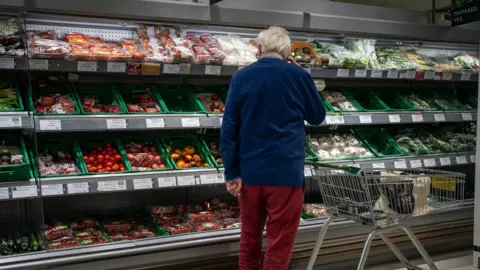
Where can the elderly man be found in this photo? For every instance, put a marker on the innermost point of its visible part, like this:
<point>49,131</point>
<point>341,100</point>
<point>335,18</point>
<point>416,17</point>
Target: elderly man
<point>262,145</point>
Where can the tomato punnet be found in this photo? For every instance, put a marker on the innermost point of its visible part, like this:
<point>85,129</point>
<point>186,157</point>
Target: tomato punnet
<point>103,159</point>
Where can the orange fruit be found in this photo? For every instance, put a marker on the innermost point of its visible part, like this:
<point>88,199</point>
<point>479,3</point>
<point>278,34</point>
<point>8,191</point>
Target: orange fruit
<point>197,158</point>
<point>190,150</point>
<point>180,163</point>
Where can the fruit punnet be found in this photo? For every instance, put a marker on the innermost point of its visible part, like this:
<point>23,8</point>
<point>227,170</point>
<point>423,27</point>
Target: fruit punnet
<point>211,102</point>
<point>104,159</point>
<point>144,156</point>
<point>187,157</point>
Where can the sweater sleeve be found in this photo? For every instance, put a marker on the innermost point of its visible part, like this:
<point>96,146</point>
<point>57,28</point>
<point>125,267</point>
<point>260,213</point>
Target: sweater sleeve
<point>230,131</point>
<point>314,107</point>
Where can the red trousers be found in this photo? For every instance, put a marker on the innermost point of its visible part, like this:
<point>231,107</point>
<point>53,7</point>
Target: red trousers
<point>283,207</point>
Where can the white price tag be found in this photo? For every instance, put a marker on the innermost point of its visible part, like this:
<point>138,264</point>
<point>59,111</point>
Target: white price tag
<point>360,73</point>
<point>171,68</point>
<point>190,122</point>
<point>155,122</point>
<point>430,162</point>
<point>416,164</point>
<point>213,70</point>
<point>87,66</point>
<point>467,116</point>
<point>10,121</point>
<point>461,160</point>
<point>394,118</point>
<point>307,171</point>
<point>4,195</point>
<point>167,181</point>
<point>376,74</point>
<point>465,76</point>
<point>185,68</point>
<point>410,74</point>
<point>145,183</point>
<point>50,125</point>
<point>151,31</point>
<point>24,192</point>
<point>392,74</point>
<point>7,63</point>
<point>308,70</point>
<point>473,158</point>
<point>211,179</point>
<point>445,161</point>
<point>343,72</point>
<point>112,185</point>
<point>38,64</point>
<point>78,188</point>
<point>365,119</point>
<point>417,118</point>
<point>188,180</point>
<point>378,165</point>
<point>221,121</point>
<point>116,123</point>
<point>429,75</point>
<point>439,117</point>
<point>116,67</point>
<point>400,164</point>
<point>50,190</point>
<point>447,76</point>
<point>334,119</point>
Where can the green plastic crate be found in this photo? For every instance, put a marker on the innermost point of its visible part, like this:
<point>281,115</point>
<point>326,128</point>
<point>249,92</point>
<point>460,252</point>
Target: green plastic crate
<point>395,134</point>
<point>434,98</point>
<point>166,158</point>
<point>381,144</point>
<point>181,142</point>
<point>69,146</point>
<point>15,172</point>
<point>126,92</point>
<point>363,144</point>
<point>368,100</point>
<point>405,94</point>
<point>18,98</point>
<point>220,90</point>
<point>208,139</point>
<point>87,146</point>
<point>468,99</point>
<point>181,100</point>
<point>330,107</point>
<point>309,153</point>
<point>393,100</point>
<point>60,88</point>
<point>107,94</point>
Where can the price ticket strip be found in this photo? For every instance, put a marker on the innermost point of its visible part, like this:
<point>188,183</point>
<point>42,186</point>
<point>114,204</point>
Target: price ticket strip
<point>16,120</point>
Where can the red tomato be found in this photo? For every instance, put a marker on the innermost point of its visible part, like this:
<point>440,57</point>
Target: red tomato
<point>99,149</point>
<point>117,158</point>
<point>100,167</point>
<point>100,158</point>
<point>108,145</point>
<point>91,160</point>
<point>108,164</point>
<point>93,169</point>
<point>115,167</point>
<point>107,157</point>
<point>85,158</point>
<point>108,169</point>
<point>102,170</point>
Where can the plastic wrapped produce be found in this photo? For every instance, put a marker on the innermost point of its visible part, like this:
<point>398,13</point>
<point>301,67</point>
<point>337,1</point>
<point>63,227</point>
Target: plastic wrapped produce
<point>339,146</point>
<point>391,58</point>
<point>179,229</point>
<point>199,217</point>
<point>207,226</point>
<point>56,231</point>
<point>10,154</point>
<point>143,156</point>
<point>411,145</point>
<point>235,50</point>
<point>146,102</point>
<point>315,210</point>
<point>338,101</point>
<point>116,226</point>
<point>418,102</point>
<point>56,162</point>
<point>467,61</point>
<point>211,102</point>
<point>92,104</point>
<point>156,210</point>
<point>55,103</point>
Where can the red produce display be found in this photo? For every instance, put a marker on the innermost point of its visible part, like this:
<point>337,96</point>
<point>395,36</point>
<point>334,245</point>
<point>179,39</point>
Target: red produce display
<point>55,103</point>
<point>56,162</point>
<point>143,156</point>
<point>104,159</point>
<point>92,104</point>
<point>145,102</point>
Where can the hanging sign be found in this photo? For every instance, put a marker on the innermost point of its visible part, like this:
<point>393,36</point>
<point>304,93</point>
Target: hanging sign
<point>465,11</point>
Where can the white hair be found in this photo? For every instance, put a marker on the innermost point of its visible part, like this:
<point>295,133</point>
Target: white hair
<point>275,39</point>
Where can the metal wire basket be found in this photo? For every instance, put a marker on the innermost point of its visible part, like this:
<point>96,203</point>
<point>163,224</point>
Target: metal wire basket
<point>380,197</point>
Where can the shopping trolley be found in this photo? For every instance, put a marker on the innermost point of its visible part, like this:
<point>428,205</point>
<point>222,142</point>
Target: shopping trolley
<point>382,199</point>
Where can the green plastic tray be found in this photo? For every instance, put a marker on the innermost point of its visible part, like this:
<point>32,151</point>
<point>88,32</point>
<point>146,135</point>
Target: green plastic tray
<point>87,146</point>
<point>467,98</point>
<point>60,88</point>
<point>107,94</point>
<point>181,100</point>
<point>126,92</point>
<point>330,107</point>
<point>393,100</point>
<point>69,146</point>
<point>15,172</point>
<point>368,101</point>
<point>206,139</point>
<point>166,158</point>
<point>220,90</point>
<point>393,132</point>
<point>404,94</point>
<point>433,97</point>
<point>381,144</point>
<point>309,153</point>
<point>19,100</point>
<point>181,142</point>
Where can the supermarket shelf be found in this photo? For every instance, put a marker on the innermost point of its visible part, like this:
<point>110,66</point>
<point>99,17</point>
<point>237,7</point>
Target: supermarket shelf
<point>13,63</point>
<point>16,120</point>
<point>18,190</point>
<point>223,70</point>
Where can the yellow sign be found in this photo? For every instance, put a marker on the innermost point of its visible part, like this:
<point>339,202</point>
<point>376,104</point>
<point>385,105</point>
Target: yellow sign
<point>150,69</point>
<point>444,183</point>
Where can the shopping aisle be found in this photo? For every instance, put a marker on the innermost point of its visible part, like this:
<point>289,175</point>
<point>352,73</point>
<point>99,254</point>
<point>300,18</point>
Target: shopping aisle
<point>461,260</point>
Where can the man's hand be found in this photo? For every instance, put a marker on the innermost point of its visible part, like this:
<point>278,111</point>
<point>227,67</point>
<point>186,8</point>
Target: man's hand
<point>234,187</point>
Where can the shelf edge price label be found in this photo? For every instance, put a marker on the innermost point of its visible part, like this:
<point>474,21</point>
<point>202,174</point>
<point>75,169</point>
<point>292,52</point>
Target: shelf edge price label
<point>417,118</point>
<point>365,119</point>
<point>170,181</point>
<point>360,73</point>
<point>429,75</point>
<point>445,161</point>
<point>467,117</point>
<point>50,124</point>
<point>38,64</point>
<point>116,67</point>
<point>416,163</point>
<point>447,76</point>
<point>188,180</point>
<point>10,121</point>
<point>465,76</point>
<point>394,118</point>
<point>378,165</point>
<point>78,188</point>
<point>116,123</point>
<point>461,160</point>
<point>190,122</point>
<point>211,179</point>
<point>144,183</point>
<point>115,185</point>
<point>392,74</point>
<point>410,74</point>
<point>155,122</point>
<point>4,194</point>
<point>473,158</point>
<point>24,192</point>
<point>430,162</point>
<point>307,171</point>
<point>341,72</point>
<point>171,68</point>
<point>334,119</point>
<point>7,63</point>
<point>51,190</point>
<point>87,66</point>
<point>400,164</point>
<point>439,117</point>
<point>376,74</point>
<point>213,70</point>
